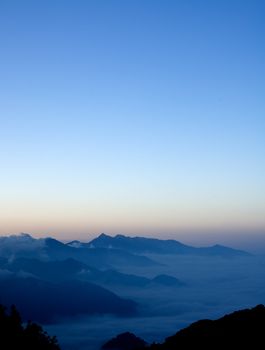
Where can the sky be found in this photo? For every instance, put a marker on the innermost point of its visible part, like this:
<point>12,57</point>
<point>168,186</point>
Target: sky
<point>136,117</point>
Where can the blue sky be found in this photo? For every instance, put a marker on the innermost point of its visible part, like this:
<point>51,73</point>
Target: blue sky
<point>142,117</point>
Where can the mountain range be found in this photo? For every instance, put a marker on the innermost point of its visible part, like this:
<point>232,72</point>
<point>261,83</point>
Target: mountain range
<point>105,250</point>
<point>143,245</point>
<point>51,249</point>
<point>48,279</point>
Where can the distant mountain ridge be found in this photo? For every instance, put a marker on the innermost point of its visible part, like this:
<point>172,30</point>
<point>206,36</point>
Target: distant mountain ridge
<point>143,245</point>
<point>51,249</point>
<point>110,249</point>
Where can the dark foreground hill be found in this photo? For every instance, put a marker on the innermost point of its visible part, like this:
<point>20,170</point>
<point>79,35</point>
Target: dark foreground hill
<point>125,341</point>
<point>238,330</point>
<point>14,335</point>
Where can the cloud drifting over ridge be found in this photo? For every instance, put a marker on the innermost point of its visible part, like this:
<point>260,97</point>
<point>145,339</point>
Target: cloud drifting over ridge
<point>14,244</point>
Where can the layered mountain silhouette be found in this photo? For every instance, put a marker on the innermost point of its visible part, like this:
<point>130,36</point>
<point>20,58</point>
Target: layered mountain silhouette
<point>45,302</point>
<point>105,251</point>
<point>142,245</point>
<point>62,270</point>
<point>48,279</point>
<point>51,249</point>
<point>51,270</point>
<point>98,257</point>
<point>238,330</point>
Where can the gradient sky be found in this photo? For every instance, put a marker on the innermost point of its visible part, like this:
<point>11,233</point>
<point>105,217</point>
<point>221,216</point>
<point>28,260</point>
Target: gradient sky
<point>136,117</point>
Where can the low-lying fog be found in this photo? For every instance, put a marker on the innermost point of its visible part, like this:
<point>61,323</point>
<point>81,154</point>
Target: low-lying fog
<point>212,287</point>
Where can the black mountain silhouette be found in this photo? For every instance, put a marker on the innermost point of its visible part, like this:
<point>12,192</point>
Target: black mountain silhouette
<point>239,329</point>
<point>242,329</point>
<point>125,341</point>
<point>15,335</point>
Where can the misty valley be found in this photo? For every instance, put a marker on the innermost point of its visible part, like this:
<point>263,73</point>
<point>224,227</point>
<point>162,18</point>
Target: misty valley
<point>86,293</point>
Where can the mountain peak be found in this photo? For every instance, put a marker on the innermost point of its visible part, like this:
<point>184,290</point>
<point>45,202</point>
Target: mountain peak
<point>121,236</point>
<point>26,235</point>
<point>103,235</point>
<point>74,244</point>
<point>53,243</point>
